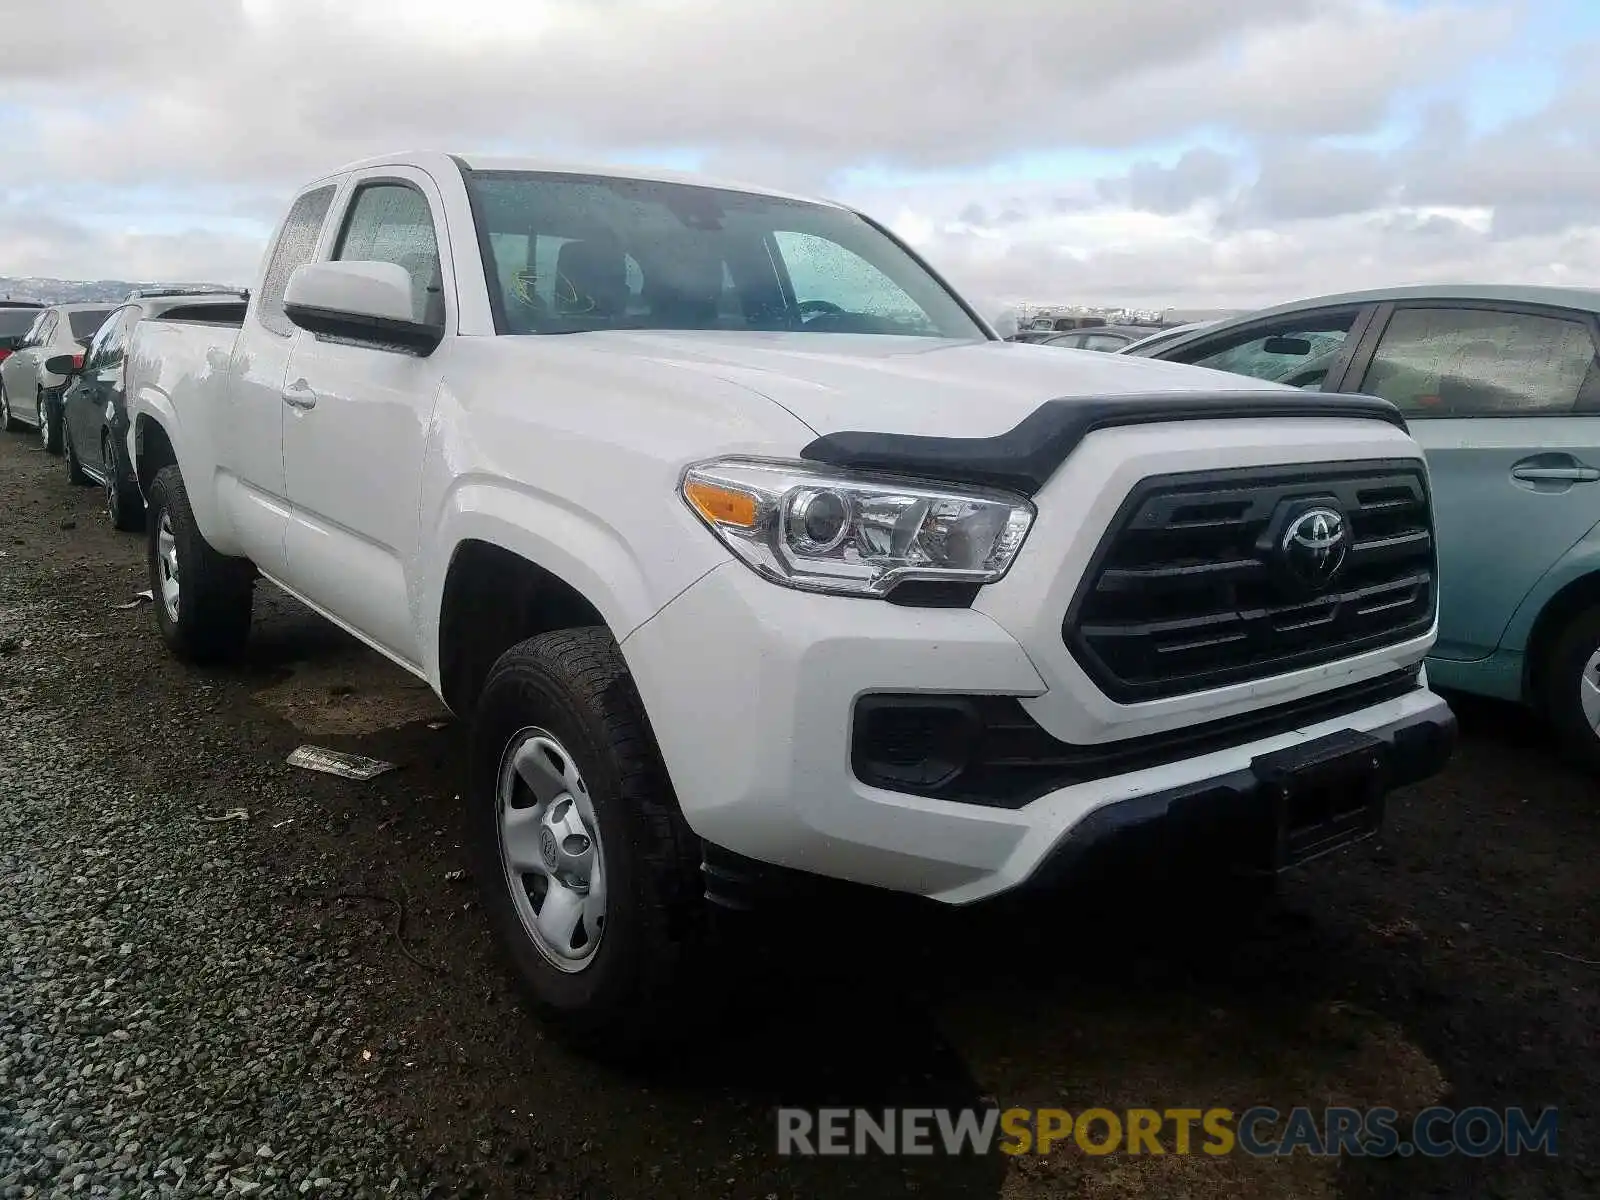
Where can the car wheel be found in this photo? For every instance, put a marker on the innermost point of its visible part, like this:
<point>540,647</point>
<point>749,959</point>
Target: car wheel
<point>124,505</point>
<point>203,598</point>
<point>49,424</point>
<point>8,422</point>
<point>75,471</point>
<point>1572,688</point>
<point>590,874</point>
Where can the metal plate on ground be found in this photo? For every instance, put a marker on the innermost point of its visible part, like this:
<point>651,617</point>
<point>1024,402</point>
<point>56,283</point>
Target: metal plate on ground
<point>336,762</point>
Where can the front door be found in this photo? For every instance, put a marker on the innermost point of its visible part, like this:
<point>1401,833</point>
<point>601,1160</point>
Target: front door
<point>1505,402</point>
<point>357,428</point>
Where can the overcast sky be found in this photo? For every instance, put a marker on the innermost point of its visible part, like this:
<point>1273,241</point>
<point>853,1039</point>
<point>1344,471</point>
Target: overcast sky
<point>1186,152</point>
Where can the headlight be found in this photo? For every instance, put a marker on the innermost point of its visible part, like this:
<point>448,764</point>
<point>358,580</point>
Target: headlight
<point>856,535</point>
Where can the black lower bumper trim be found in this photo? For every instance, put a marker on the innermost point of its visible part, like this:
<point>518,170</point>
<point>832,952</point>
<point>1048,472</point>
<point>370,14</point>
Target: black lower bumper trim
<point>1230,819</point>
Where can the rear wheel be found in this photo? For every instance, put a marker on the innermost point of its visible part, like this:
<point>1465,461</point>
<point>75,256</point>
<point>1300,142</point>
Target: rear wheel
<point>1572,688</point>
<point>203,598</point>
<point>75,471</point>
<point>124,505</point>
<point>49,424</point>
<point>589,872</point>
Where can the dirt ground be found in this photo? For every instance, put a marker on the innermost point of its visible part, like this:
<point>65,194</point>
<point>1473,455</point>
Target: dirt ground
<point>1455,962</point>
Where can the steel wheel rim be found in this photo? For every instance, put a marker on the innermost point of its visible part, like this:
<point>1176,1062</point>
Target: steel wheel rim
<point>110,469</point>
<point>550,849</point>
<point>167,567</point>
<point>1589,692</point>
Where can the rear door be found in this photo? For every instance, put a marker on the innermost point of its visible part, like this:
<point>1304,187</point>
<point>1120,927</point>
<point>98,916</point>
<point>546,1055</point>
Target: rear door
<point>251,436</point>
<point>20,371</point>
<point>83,405</point>
<point>1505,401</point>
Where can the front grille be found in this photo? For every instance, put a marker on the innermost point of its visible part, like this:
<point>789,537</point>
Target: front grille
<point>1191,588</point>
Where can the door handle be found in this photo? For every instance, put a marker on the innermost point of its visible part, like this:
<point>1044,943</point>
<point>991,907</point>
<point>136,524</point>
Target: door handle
<point>299,395</point>
<point>1572,474</point>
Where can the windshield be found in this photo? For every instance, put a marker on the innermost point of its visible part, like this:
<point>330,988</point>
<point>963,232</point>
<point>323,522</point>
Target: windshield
<point>574,253</point>
<point>14,322</point>
<point>85,321</point>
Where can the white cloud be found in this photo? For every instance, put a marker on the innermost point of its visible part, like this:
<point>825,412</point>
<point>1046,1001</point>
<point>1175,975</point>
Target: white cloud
<point>1233,121</point>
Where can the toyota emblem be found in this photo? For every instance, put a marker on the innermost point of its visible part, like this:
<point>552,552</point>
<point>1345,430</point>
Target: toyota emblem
<point>1315,547</point>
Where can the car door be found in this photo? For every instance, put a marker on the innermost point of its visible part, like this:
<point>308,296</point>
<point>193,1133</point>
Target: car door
<point>20,371</point>
<point>1505,402</point>
<point>356,430</point>
<point>1304,349</point>
<point>250,440</point>
<point>83,405</point>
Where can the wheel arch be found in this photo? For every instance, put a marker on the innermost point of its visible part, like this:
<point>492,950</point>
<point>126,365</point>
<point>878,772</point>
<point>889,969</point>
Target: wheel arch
<point>1574,598</point>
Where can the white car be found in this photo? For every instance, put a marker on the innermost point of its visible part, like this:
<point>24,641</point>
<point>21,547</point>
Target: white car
<point>29,392</point>
<point>748,549</point>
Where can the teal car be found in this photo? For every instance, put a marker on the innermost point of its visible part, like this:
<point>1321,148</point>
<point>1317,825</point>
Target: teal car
<point>1501,386</point>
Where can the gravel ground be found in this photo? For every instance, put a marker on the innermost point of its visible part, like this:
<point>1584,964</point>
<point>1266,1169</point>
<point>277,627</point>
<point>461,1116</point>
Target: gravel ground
<point>195,1000</point>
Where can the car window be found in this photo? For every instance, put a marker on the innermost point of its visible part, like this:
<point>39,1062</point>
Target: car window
<point>296,244</point>
<point>1298,351</point>
<point>1104,342</point>
<point>829,279</point>
<point>86,322</point>
<point>1434,362</point>
<point>15,322</point>
<point>44,330</point>
<point>391,222</point>
<point>106,349</point>
<point>575,253</point>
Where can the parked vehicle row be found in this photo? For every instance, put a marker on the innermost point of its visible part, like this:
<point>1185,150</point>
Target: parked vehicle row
<point>1501,386</point>
<point>753,554</point>
<point>30,391</point>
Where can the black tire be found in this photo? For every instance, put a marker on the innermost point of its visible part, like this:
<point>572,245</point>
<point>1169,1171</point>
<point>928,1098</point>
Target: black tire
<point>49,414</point>
<point>216,592</point>
<point>630,998</point>
<point>124,504</point>
<point>8,420</point>
<point>1562,692</point>
<point>75,471</point>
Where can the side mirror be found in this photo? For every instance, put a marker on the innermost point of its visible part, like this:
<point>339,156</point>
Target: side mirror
<point>64,364</point>
<point>1298,347</point>
<point>361,301</point>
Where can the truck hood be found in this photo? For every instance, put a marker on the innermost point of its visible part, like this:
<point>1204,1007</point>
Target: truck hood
<point>910,385</point>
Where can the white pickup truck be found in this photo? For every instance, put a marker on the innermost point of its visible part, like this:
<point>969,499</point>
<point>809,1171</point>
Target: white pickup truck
<point>749,549</point>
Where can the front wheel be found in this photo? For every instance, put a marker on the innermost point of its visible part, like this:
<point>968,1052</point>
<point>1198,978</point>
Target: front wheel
<point>49,417</point>
<point>203,598</point>
<point>8,420</point>
<point>589,872</point>
<point>1572,688</point>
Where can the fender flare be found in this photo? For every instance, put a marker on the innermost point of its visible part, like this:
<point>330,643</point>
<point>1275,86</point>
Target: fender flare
<point>572,544</point>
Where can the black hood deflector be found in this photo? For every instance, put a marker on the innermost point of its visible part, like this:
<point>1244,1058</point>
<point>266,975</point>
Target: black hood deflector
<point>1025,456</point>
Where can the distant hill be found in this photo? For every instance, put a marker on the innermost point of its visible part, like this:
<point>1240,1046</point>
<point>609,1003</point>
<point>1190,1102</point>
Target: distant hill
<point>67,291</point>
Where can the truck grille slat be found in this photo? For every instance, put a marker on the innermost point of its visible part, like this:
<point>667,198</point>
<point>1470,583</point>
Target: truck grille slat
<point>1195,587</point>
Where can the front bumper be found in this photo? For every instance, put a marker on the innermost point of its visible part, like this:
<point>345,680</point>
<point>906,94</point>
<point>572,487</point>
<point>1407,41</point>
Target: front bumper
<point>751,691</point>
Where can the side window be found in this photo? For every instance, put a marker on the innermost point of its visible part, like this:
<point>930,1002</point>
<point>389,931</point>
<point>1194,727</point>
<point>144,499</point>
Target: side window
<point>1439,362</point>
<point>43,330</point>
<point>106,349</point>
<point>1103,342</point>
<point>296,244</point>
<point>1298,352</point>
<point>391,222</point>
<point>827,278</point>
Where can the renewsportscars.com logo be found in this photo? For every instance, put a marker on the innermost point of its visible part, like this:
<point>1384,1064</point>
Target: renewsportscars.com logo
<point>1260,1132</point>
